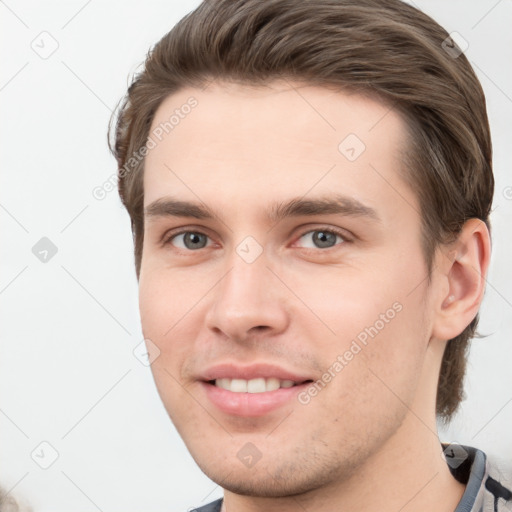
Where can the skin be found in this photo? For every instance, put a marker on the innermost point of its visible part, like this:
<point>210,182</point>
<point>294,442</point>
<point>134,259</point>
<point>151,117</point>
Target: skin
<point>367,441</point>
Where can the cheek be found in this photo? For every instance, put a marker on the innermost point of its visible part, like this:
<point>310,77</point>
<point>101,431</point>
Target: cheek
<point>360,301</point>
<point>374,333</point>
<point>163,309</point>
<point>376,371</point>
<point>166,306</point>
<point>167,297</point>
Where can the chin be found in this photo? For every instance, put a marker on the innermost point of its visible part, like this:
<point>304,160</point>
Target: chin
<point>263,484</point>
<point>299,471</point>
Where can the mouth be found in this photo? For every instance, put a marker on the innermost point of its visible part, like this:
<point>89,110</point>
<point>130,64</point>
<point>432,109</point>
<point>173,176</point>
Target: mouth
<point>251,391</point>
<point>256,385</point>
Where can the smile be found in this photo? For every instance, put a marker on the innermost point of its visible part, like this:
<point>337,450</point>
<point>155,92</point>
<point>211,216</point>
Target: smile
<point>257,385</point>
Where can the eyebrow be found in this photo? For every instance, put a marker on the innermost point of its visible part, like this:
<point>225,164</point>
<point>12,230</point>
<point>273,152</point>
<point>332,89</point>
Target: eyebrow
<point>332,204</point>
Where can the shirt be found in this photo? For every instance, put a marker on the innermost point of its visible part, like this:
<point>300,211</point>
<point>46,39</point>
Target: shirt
<point>483,493</point>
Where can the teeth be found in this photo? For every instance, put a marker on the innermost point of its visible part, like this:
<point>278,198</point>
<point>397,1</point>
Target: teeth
<point>239,386</point>
<point>254,385</point>
<point>272,384</point>
<point>259,385</point>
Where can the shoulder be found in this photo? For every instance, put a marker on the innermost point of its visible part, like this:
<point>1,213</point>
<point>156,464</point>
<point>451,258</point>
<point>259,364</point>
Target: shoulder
<point>214,506</point>
<point>488,485</point>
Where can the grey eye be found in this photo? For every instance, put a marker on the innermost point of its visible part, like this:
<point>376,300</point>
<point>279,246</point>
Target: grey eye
<point>190,240</point>
<point>324,239</point>
<point>320,239</point>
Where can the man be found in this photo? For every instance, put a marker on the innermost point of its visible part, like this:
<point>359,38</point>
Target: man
<point>309,186</point>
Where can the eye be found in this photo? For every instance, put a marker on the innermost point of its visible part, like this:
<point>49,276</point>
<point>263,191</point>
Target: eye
<point>320,239</point>
<point>190,240</point>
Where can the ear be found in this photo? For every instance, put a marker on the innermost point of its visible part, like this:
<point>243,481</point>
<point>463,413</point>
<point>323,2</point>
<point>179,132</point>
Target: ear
<point>463,270</point>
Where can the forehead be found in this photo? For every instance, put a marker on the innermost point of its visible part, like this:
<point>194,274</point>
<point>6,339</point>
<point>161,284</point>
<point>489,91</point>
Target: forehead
<point>242,144</point>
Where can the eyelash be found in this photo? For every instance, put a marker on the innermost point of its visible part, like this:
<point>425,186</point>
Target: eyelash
<point>346,239</point>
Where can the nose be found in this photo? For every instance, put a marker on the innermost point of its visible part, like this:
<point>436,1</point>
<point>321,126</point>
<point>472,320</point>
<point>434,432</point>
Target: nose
<point>248,301</point>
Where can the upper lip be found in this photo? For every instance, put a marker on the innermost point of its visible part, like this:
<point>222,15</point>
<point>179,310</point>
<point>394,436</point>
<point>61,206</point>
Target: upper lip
<point>253,371</point>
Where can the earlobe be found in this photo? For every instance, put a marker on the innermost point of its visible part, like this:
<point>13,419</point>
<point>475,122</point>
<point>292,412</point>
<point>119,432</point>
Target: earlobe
<point>464,273</point>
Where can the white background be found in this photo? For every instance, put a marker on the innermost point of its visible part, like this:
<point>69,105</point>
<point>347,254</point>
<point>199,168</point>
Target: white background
<point>68,375</point>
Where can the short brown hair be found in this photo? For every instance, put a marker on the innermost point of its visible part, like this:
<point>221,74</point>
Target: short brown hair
<point>384,48</point>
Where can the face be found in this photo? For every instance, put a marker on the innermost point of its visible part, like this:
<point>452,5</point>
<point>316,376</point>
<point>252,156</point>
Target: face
<point>283,282</point>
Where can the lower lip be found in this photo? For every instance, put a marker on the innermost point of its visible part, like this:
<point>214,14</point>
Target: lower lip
<point>250,404</point>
